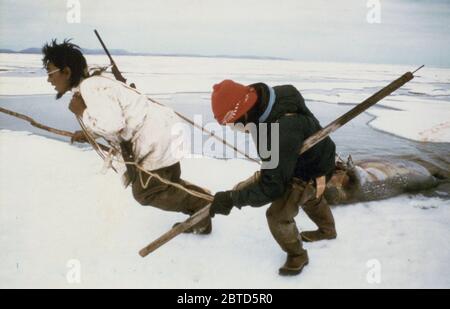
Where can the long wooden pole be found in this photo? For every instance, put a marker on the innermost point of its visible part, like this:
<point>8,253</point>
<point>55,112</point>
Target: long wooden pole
<point>178,229</point>
<point>358,109</point>
<point>41,126</point>
<point>36,124</point>
<point>310,142</point>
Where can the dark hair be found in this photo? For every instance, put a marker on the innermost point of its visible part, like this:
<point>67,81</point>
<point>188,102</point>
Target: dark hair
<point>64,55</point>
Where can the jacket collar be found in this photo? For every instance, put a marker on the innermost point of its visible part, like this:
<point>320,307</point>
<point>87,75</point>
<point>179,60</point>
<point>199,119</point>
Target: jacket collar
<point>271,102</point>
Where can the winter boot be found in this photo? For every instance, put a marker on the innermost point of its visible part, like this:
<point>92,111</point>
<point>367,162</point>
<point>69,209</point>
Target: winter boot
<point>281,219</point>
<point>311,236</point>
<point>320,213</point>
<point>294,264</point>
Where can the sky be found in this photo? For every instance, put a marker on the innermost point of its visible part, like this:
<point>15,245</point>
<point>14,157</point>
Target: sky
<point>375,31</point>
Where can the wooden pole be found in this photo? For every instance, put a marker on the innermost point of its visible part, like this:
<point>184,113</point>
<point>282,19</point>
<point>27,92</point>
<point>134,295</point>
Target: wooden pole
<point>36,124</point>
<point>310,142</point>
<point>358,109</point>
<point>178,229</point>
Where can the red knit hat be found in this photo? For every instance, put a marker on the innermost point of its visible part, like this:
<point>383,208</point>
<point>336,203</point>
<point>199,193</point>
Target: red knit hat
<point>230,100</point>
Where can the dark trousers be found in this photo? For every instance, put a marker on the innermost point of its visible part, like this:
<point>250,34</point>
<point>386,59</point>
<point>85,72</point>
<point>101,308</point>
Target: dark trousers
<point>282,212</point>
<point>168,197</point>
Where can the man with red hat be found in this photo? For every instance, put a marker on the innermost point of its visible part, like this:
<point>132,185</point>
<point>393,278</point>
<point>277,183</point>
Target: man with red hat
<point>297,180</point>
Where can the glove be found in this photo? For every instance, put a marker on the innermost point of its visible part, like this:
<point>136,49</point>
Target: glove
<point>221,204</point>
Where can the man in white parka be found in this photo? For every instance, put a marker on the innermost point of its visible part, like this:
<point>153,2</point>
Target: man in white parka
<point>130,122</point>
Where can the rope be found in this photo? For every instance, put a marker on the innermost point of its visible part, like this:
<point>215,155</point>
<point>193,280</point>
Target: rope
<point>94,144</point>
<point>194,125</point>
<point>204,196</point>
<point>212,134</point>
<point>207,197</point>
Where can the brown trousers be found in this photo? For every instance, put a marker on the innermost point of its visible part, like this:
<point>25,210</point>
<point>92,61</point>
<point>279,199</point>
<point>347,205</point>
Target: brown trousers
<point>282,212</point>
<point>168,197</point>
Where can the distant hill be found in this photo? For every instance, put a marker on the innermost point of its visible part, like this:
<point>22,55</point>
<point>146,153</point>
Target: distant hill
<point>9,51</point>
<point>36,50</point>
<point>32,50</point>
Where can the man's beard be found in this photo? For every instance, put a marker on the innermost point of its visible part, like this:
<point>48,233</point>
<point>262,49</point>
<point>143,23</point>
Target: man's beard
<point>59,95</point>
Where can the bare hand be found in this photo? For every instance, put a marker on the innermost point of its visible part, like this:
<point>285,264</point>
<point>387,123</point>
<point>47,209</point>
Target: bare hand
<point>77,105</point>
<point>79,137</point>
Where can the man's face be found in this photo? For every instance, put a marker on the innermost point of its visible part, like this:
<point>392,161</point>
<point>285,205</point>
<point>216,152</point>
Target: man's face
<point>60,79</point>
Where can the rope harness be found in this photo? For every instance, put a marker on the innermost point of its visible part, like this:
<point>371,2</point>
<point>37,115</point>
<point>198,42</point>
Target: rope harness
<point>108,160</point>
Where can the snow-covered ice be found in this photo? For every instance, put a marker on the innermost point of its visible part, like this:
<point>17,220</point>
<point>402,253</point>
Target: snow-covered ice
<point>56,208</point>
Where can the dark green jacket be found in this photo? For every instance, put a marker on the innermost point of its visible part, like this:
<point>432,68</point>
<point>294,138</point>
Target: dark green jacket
<point>293,131</point>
